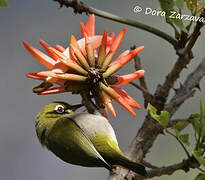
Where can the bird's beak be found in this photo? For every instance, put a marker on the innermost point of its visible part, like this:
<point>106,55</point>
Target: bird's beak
<point>69,111</point>
<point>75,107</point>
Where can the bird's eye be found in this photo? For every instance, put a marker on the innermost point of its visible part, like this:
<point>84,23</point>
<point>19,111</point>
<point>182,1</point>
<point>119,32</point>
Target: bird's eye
<point>59,109</point>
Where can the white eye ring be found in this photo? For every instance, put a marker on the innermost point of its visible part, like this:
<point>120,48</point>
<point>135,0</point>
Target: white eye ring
<point>59,109</point>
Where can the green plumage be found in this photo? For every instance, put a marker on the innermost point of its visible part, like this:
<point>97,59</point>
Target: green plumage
<point>81,138</point>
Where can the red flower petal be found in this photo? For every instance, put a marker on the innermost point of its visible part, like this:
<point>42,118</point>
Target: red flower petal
<point>112,36</point>
<point>108,103</point>
<point>102,51</point>
<point>126,57</point>
<point>90,26</point>
<point>67,76</point>
<point>95,42</point>
<point>83,30</point>
<point>41,57</point>
<point>39,77</point>
<point>72,56</point>
<point>58,53</point>
<point>72,77</point>
<point>46,47</point>
<point>90,53</point>
<point>118,40</point>
<point>126,97</point>
<point>108,60</point>
<point>47,74</point>
<point>129,77</point>
<point>60,67</point>
<point>74,67</point>
<point>121,62</point>
<point>112,93</point>
<point>111,109</point>
<point>55,90</point>
<point>74,43</point>
<point>80,56</point>
<point>124,54</point>
<point>60,48</point>
<point>35,76</point>
<point>113,49</point>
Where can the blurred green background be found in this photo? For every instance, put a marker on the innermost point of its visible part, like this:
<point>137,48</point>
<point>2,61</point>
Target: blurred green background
<point>21,156</point>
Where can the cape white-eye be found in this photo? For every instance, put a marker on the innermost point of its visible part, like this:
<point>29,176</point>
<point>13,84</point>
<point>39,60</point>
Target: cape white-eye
<point>81,138</point>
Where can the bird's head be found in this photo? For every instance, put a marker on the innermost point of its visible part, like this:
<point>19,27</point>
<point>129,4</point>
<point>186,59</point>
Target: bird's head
<point>49,115</point>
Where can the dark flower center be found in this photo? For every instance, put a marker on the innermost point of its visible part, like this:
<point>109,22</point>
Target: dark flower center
<point>95,75</point>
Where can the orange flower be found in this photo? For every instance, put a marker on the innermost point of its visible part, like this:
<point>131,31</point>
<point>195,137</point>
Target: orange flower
<point>87,64</point>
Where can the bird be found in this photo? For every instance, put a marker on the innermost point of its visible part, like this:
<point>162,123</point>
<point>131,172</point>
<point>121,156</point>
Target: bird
<point>81,138</point>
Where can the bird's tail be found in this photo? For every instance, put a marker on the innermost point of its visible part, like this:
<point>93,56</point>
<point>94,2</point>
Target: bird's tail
<point>133,166</point>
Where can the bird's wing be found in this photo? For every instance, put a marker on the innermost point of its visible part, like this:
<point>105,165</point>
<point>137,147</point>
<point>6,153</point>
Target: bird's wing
<point>92,146</point>
<point>61,127</point>
<point>93,124</point>
<point>100,132</point>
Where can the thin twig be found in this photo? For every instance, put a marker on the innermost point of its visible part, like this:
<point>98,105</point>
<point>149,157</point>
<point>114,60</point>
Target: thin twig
<point>80,7</point>
<point>142,89</point>
<point>138,66</point>
<point>182,145</point>
<point>200,169</point>
<point>175,121</point>
<point>143,85</point>
<point>86,100</point>
<point>147,96</point>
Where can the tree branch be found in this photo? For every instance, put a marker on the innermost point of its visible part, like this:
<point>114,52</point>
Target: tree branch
<point>149,165</point>
<point>184,59</point>
<point>143,90</point>
<point>80,7</point>
<point>185,165</point>
<point>151,129</point>
<point>186,90</point>
<point>196,33</point>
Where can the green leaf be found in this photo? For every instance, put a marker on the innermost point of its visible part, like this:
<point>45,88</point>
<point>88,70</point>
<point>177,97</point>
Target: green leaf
<point>179,23</point>
<point>3,3</point>
<point>184,138</point>
<point>180,126</point>
<point>202,110</point>
<point>168,7</point>
<point>195,121</point>
<point>180,4</point>
<point>166,4</point>
<point>199,158</point>
<point>202,118</point>
<point>163,118</point>
<point>200,176</point>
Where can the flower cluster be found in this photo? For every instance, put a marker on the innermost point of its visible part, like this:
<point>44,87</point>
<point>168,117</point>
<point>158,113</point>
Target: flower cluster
<point>87,65</point>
